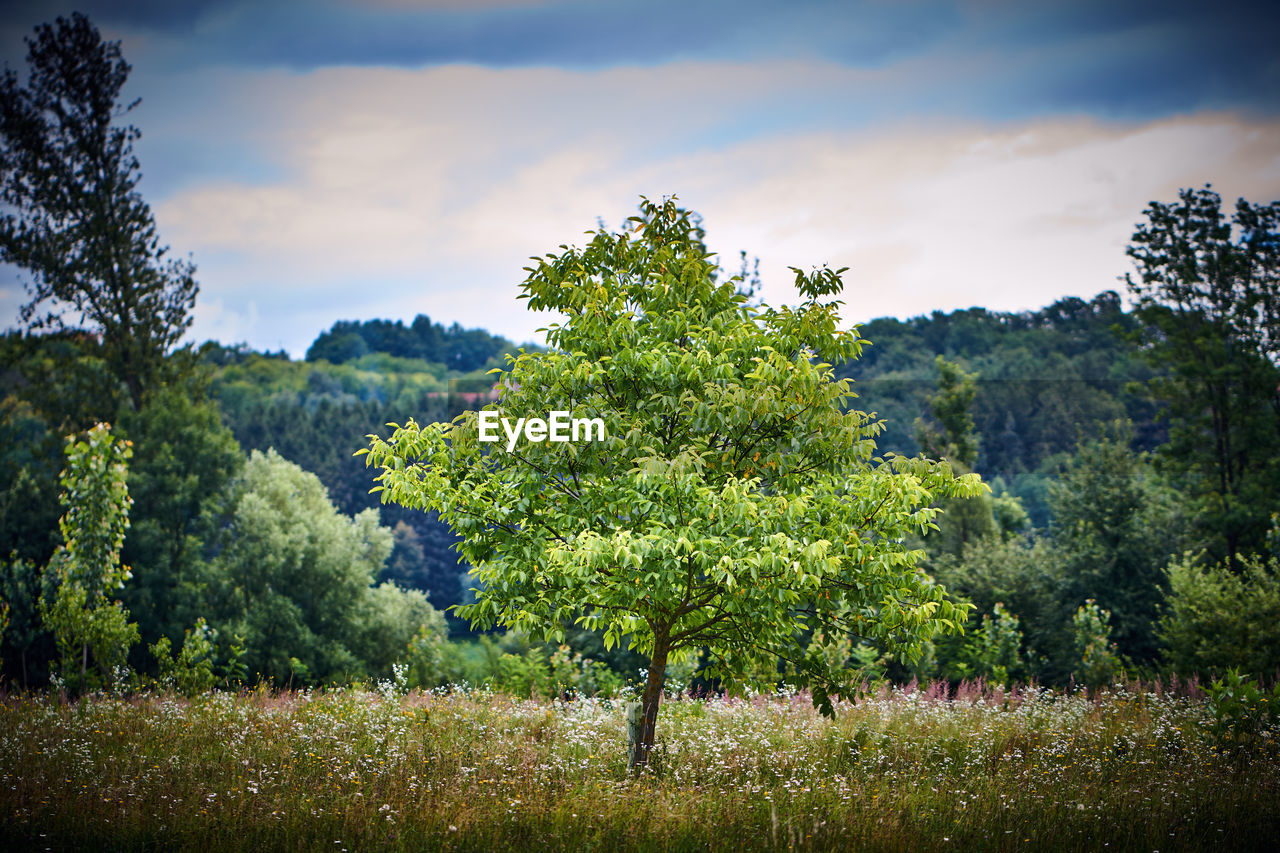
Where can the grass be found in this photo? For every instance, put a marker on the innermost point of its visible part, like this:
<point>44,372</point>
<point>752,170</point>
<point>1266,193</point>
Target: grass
<point>354,769</point>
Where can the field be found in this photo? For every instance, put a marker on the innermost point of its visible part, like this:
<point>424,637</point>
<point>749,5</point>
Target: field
<point>356,769</point>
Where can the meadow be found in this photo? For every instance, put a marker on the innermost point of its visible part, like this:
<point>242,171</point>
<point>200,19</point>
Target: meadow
<point>1131,768</point>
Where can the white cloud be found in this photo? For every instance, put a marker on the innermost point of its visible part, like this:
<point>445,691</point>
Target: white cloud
<point>425,191</point>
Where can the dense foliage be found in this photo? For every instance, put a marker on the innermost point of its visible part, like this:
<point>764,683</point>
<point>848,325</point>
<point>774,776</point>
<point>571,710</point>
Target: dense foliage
<point>455,347</point>
<point>295,578</point>
<point>175,521</point>
<point>1131,455</point>
<point>1051,407</point>
<point>1208,297</point>
<point>1043,381</point>
<point>731,503</point>
<point>1216,619</point>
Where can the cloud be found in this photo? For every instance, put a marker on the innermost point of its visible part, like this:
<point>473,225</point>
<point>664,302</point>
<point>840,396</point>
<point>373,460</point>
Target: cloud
<point>322,161</point>
<point>993,60</point>
<point>402,192</point>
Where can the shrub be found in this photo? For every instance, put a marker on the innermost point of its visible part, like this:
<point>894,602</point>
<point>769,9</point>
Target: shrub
<point>1216,619</point>
<point>1241,710</point>
<point>1098,663</point>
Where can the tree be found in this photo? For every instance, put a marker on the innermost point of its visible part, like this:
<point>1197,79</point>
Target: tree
<point>1021,577</point>
<point>295,577</point>
<point>1097,658</point>
<point>957,440</point>
<point>954,439</point>
<point>1116,525</point>
<point>184,459</point>
<point>75,219</point>
<point>1208,294</point>
<point>734,505</point>
<point>996,647</point>
<point>86,570</point>
<point>20,597</point>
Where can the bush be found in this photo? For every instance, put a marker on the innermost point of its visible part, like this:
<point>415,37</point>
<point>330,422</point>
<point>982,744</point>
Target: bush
<point>1098,663</point>
<point>1241,711</point>
<point>196,669</point>
<point>1215,619</point>
<point>998,647</point>
<point>191,672</point>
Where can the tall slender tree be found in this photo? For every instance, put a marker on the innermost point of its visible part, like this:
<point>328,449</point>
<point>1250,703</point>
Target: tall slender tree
<point>75,221</point>
<point>86,571</point>
<point>1208,295</point>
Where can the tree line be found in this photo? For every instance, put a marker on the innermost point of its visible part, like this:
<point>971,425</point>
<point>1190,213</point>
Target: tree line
<point>222,527</point>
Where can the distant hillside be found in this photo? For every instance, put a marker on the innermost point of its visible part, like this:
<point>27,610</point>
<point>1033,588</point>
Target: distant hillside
<point>1046,380</point>
<point>455,347</point>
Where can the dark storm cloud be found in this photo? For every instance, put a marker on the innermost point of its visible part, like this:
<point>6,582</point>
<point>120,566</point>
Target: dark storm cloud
<point>988,59</point>
<point>1138,59</point>
<point>150,14</point>
<point>304,35</point>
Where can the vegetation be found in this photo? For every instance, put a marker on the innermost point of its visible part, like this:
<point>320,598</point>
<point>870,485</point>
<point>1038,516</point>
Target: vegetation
<point>211,630</point>
<point>75,219</point>
<point>1217,619</point>
<point>85,571</point>
<point>1100,518</point>
<point>1208,297</point>
<point>295,581</point>
<point>1043,382</point>
<point>316,415</point>
<point>454,347</point>
<point>733,503</point>
<point>906,769</point>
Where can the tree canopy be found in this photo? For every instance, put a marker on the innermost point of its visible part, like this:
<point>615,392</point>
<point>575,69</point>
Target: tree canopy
<point>456,347</point>
<point>295,580</point>
<point>735,505</point>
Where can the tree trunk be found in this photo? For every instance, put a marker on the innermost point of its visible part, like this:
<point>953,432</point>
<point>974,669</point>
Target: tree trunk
<point>652,698</point>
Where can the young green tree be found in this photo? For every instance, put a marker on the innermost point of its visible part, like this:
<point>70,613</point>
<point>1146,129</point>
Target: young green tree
<point>73,216</point>
<point>735,505</point>
<point>1208,295</point>
<point>1098,660</point>
<point>87,624</point>
<point>997,647</point>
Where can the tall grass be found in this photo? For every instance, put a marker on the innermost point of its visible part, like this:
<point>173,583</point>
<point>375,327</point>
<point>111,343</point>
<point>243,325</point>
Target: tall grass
<point>355,769</point>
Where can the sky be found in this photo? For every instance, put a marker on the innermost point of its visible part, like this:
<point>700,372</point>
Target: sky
<point>348,159</point>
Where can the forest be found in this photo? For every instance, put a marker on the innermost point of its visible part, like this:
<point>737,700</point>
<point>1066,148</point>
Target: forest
<point>1058,526</point>
<point>1058,410</point>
